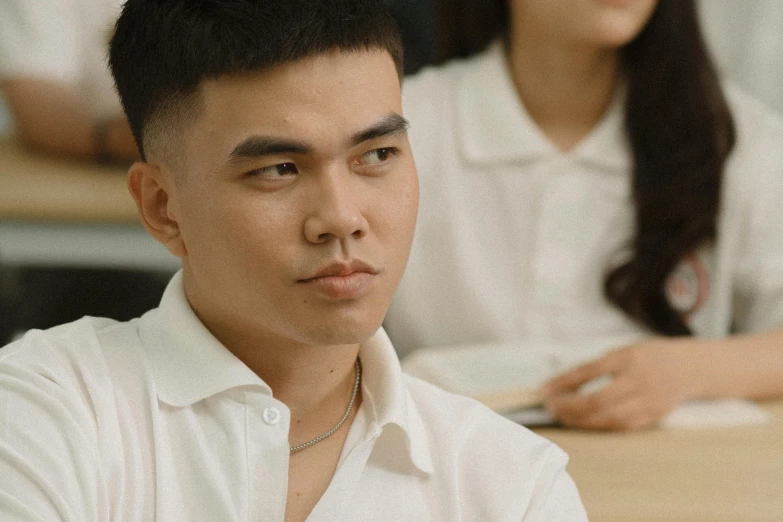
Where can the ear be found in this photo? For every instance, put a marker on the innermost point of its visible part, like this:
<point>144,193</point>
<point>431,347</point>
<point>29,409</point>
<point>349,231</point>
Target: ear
<point>153,194</point>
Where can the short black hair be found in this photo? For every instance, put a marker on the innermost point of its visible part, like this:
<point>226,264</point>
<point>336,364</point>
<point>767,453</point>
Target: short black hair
<point>162,50</point>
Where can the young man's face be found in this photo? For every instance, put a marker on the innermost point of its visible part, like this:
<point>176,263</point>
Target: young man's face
<point>298,200</point>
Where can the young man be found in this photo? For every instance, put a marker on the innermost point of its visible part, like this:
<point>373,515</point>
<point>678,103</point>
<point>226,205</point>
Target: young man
<point>277,167</point>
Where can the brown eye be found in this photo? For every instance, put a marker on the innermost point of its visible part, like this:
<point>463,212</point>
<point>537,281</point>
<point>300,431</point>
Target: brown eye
<point>377,156</point>
<point>275,171</point>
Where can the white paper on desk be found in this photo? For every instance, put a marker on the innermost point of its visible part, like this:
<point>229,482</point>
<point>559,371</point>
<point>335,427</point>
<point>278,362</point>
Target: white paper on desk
<point>478,369</point>
<point>729,413</point>
<point>474,370</point>
<point>716,414</point>
<point>531,417</point>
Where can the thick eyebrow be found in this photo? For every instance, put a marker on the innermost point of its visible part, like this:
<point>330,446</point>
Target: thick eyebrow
<point>386,126</point>
<point>260,146</point>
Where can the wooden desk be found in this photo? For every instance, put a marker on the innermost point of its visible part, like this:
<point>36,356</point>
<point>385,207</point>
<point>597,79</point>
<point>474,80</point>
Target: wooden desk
<point>44,188</point>
<point>62,213</point>
<point>726,474</point>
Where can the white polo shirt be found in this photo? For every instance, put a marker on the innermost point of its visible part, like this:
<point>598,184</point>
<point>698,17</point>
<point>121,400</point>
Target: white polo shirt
<point>514,237</point>
<point>154,419</point>
<point>63,41</point>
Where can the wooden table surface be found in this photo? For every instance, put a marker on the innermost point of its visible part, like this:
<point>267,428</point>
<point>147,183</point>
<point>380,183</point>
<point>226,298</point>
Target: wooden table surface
<point>56,212</point>
<point>45,188</point>
<point>711,475</point>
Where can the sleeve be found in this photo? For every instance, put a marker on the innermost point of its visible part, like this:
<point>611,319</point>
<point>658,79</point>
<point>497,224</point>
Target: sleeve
<point>39,38</point>
<point>555,496</point>
<point>758,303</point>
<point>49,462</point>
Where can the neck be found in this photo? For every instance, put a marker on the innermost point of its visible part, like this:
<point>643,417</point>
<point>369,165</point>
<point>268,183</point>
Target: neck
<point>566,87</point>
<point>314,382</point>
<point>301,376</point>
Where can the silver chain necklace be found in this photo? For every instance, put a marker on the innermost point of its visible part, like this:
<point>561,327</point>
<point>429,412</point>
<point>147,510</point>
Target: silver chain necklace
<point>357,380</point>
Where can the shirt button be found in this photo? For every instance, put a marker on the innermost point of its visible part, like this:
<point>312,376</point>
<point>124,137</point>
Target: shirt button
<point>271,416</point>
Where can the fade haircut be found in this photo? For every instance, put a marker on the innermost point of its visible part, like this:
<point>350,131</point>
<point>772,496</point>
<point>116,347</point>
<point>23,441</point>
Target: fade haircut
<point>162,50</point>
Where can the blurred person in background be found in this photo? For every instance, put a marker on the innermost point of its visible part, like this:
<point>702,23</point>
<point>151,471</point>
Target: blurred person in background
<point>54,77</point>
<point>585,175</point>
<point>60,95</point>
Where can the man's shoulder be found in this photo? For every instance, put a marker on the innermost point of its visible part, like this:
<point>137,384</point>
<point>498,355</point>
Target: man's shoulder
<point>82,356</point>
<point>73,418</point>
<point>503,470</point>
<point>65,339</point>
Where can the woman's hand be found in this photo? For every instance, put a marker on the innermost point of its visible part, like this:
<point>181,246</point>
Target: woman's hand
<point>647,381</point>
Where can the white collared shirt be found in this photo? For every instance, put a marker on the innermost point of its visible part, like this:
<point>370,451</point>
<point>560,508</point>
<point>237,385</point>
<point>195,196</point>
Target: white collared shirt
<point>154,419</point>
<point>514,237</point>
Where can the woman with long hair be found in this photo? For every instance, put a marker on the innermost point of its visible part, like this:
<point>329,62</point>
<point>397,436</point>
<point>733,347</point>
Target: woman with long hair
<point>590,186</point>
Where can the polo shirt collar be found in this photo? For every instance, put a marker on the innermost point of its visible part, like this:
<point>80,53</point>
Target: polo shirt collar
<point>387,400</point>
<point>495,127</point>
<point>189,364</point>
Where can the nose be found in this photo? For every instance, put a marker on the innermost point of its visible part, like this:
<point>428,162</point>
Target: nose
<point>337,213</point>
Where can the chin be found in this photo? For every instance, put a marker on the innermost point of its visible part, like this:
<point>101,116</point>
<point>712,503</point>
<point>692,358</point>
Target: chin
<point>341,331</point>
<point>616,37</point>
<point>617,31</point>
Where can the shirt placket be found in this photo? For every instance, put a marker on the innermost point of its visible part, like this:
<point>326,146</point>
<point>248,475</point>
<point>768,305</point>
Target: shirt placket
<point>547,271</point>
<point>334,505</point>
<point>267,426</point>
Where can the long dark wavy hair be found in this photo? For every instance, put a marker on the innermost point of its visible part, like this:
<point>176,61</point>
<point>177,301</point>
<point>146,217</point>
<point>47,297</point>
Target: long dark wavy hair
<point>680,129</point>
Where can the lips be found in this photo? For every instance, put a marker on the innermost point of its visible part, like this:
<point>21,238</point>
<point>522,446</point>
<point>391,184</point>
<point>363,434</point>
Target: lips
<point>343,280</point>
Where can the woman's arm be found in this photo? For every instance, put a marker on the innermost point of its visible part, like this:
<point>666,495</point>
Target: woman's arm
<point>650,378</point>
<point>50,117</point>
